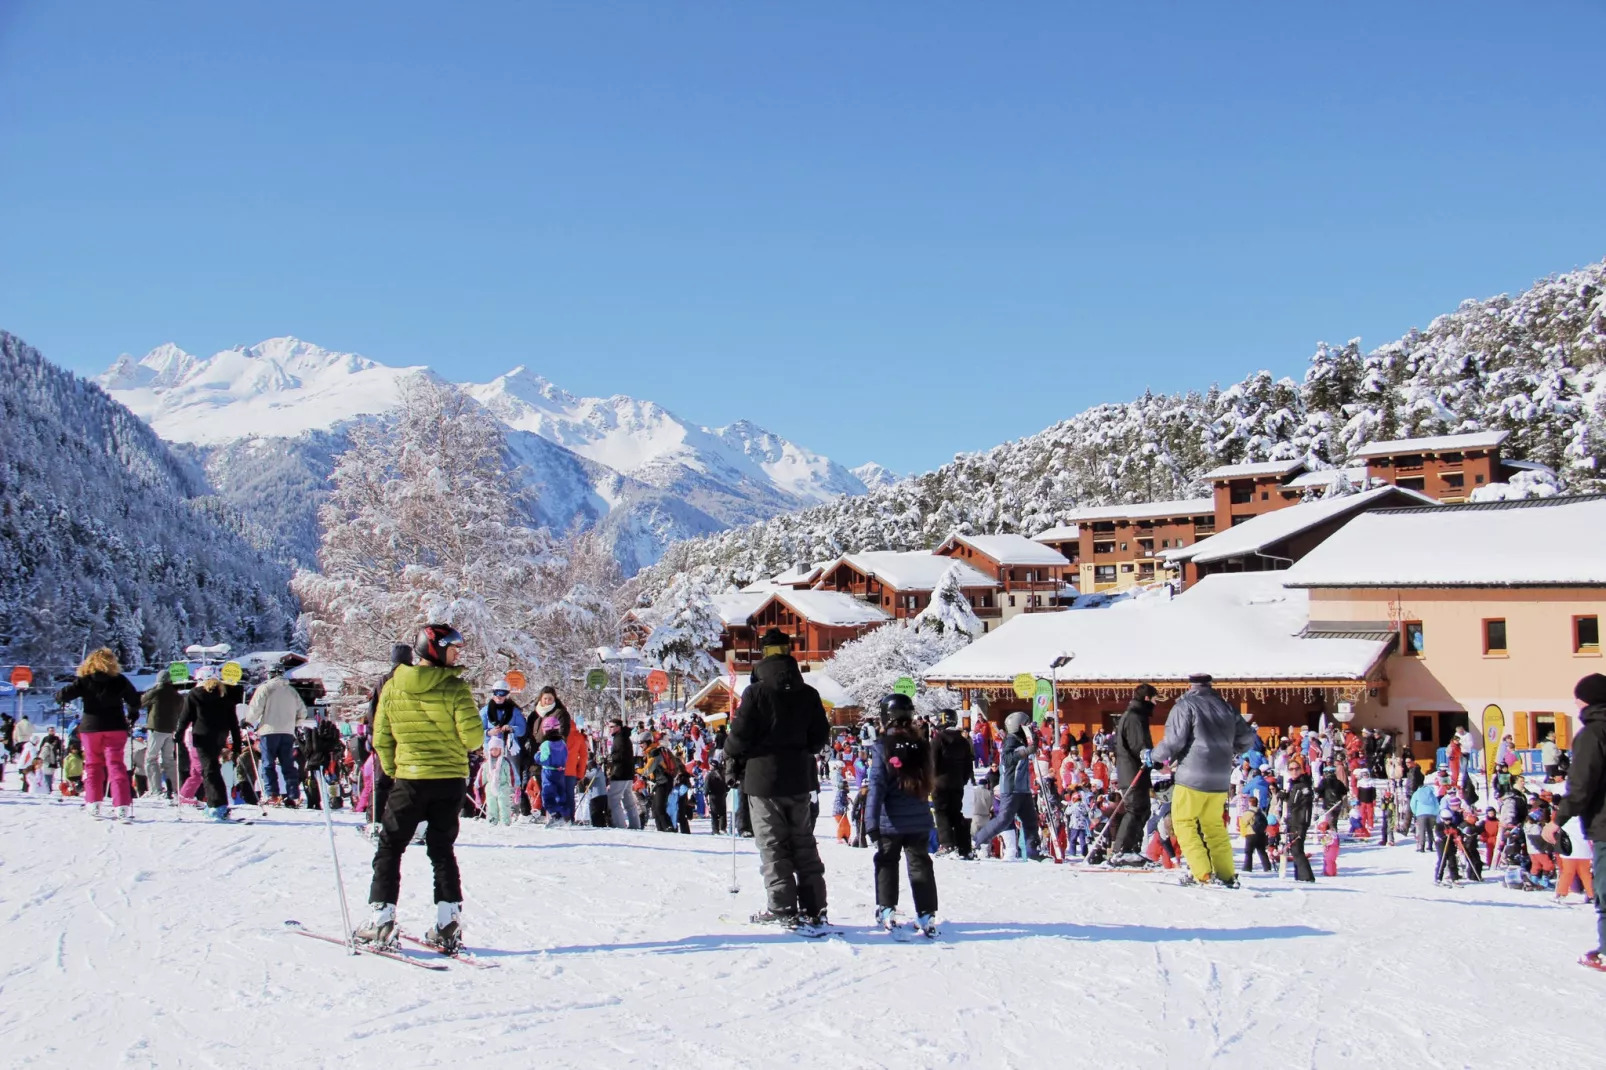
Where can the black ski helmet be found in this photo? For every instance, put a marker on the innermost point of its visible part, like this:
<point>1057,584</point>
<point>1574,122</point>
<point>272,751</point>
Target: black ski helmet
<point>432,641</point>
<point>896,708</point>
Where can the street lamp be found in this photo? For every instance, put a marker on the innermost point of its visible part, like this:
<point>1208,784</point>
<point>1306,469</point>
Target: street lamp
<point>1054,668</point>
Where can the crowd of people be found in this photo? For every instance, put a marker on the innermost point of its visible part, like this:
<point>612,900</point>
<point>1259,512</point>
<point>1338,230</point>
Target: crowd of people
<point>427,755</point>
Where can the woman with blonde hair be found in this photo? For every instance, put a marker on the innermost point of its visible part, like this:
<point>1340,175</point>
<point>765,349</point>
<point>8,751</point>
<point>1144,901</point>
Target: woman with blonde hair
<point>210,715</point>
<point>111,707</point>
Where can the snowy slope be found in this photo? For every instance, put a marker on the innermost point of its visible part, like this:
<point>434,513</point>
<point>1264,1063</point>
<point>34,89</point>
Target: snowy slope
<point>633,466</point>
<point>160,945</point>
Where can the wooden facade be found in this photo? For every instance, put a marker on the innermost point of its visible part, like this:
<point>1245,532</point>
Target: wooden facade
<point>1025,587</point>
<point>1448,469</point>
<point>1119,547</point>
<point>813,641</point>
<point>1241,491</point>
<point>900,603</point>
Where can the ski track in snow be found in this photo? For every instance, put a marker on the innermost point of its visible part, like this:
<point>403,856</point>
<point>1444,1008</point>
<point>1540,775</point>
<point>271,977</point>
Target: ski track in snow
<point>161,944</point>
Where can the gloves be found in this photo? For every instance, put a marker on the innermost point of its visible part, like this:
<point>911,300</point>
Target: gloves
<point>1146,756</point>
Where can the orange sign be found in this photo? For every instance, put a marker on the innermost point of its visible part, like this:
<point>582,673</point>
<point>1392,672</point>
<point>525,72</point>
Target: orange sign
<point>657,682</point>
<point>515,679</point>
<point>22,676</point>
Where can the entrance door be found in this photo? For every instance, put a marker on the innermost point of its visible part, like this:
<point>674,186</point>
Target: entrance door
<point>1423,747</point>
<point>1449,723</point>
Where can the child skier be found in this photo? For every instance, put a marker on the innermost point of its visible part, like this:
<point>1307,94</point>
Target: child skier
<point>681,802</point>
<point>1078,824</point>
<point>715,789</point>
<point>496,783</point>
<point>1255,837</point>
<point>1329,837</point>
<point>553,757</point>
<point>899,814</point>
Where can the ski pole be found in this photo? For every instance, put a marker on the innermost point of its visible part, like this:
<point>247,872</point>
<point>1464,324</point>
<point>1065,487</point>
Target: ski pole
<point>256,776</point>
<point>1107,832</point>
<point>736,886</point>
<point>340,884</point>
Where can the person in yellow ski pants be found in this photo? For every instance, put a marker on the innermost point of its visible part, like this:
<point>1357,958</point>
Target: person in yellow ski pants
<point>1196,819</point>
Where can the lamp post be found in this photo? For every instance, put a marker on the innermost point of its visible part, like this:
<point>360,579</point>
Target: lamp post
<point>1054,668</point>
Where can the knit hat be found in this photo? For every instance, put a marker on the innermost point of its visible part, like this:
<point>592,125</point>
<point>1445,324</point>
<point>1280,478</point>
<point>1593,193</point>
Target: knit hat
<point>1591,690</point>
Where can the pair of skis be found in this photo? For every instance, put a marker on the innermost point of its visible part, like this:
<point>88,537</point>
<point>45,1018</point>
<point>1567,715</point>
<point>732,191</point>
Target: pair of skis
<point>395,952</point>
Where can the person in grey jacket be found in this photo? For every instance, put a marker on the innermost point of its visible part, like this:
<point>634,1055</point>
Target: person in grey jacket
<point>1015,799</point>
<point>1202,736</point>
<point>277,711</point>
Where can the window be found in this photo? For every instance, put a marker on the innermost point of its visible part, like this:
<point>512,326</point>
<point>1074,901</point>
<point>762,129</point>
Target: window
<point>1454,479</point>
<point>1265,495</point>
<point>1104,547</point>
<point>1011,601</point>
<point>1104,527</point>
<point>1477,479</point>
<point>1415,645</point>
<point>1123,547</point>
<point>1182,542</point>
<point>1103,573</point>
<point>1146,546</point>
<point>1242,493</point>
<point>1127,567</point>
<point>1586,635</point>
<point>1417,484</point>
<point>1494,636</point>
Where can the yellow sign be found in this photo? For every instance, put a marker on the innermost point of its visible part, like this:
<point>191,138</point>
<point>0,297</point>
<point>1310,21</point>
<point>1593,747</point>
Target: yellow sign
<point>828,704</point>
<point>1494,729</point>
<point>1025,685</point>
<point>231,673</point>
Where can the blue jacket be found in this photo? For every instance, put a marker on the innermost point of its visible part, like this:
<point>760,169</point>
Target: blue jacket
<point>1257,786</point>
<point>554,754</point>
<point>516,722</point>
<point>890,810</point>
<point>1424,802</point>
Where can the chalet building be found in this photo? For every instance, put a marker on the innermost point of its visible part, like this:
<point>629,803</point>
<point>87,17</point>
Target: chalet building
<point>1031,576</point>
<point>633,630</point>
<point>1275,540</point>
<point>1497,608</point>
<point>1446,467</point>
<point>718,699</point>
<point>735,614</point>
<point>902,583</point>
<point>796,578</point>
<point>1245,629</point>
<point>1242,491</point>
<point>1119,546</point>
<point>818,623</point>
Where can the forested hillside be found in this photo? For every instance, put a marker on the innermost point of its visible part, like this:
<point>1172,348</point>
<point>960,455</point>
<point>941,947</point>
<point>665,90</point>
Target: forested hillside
<point>1530,364</point>
<point>107,537</point>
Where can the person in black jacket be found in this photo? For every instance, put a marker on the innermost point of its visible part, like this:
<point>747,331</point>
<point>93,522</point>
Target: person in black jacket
<point>209,707</point>
<point>1132,745</point>
<point>1586,797</point>
<point>1330,794</point>
<point>1301,800</point>
<point>774,736</point>
<point>715,790</point>
<point>956,765</point>
<point>620,769</point>
<point>400,654</point>
<point>111,707</point>
<point>163,705</point>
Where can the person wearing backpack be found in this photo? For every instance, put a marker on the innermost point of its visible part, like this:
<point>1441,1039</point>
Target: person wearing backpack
<point>658,770</point>
<point>898,815</point>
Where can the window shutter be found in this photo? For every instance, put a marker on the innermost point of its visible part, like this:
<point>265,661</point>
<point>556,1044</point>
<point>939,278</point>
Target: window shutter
<point>1564,730</point>
<point>1521,722</point>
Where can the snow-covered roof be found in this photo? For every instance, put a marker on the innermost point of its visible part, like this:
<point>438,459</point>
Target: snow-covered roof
<point>1236,626</point>
<point>1143,511</point>
<point>915,570</point>
<point>1011,549</point>
<point>1062,533</point>
<point>1477,440</point>
<point>1258,468</point>
<point>737,608</point>
<point>830,691</point>
<point>1529,543</point>
<point>1326,477</point>
<point>829,607</point>
<point>1268,529</point>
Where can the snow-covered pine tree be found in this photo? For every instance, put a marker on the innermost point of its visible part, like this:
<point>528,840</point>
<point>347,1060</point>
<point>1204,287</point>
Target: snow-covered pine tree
<point>685,627</point>
<point>870,665</point>
<point>949,611</point>
<point>422,525</point>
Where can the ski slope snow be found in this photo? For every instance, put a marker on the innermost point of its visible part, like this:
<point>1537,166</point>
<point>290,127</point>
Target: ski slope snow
<point>161,944</point>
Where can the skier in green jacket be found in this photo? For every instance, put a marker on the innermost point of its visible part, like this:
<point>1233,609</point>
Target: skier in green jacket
<point>424,730</point>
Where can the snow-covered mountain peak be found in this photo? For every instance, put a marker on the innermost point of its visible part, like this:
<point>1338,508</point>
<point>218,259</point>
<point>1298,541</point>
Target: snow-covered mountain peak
<point>874,475</point>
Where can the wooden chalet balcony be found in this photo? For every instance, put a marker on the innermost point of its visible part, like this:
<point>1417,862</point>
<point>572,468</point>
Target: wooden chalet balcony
<point>745,659</point>
<point>989,612</point>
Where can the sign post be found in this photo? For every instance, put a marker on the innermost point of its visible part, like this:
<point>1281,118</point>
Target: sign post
<point>657,683</point>
<point>515,679</point>
<point>905,687</point>
<point>1025,685</point>
<point>596,679</point>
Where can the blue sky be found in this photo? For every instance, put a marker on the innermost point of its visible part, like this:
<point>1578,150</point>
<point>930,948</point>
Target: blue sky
<point>889,231</point>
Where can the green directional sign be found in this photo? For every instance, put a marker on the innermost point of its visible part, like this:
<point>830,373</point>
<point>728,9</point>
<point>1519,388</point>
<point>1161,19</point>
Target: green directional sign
<point>904,686</point>
<point>597,679</point>
<point>179,672</point>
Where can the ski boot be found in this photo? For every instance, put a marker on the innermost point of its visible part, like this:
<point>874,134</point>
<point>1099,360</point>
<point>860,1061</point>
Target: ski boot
<point>217,813</point>
<point>447,932</point>
<point>812,924</point>
<point>1233,884</point>
<point>1593,960</point>
<point>93,810</point>
<point>885,919</point>
<point>927,924</point>
<point>1187,881</point>
<point>786,919</point>
<point>380,928</point>
<point>125,814</point>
